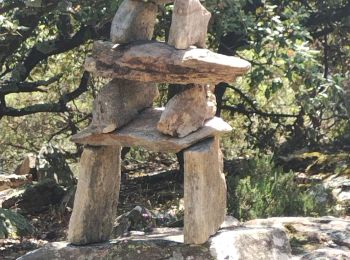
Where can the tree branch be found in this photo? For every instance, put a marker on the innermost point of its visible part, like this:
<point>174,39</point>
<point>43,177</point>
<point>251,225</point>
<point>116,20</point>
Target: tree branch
<point>9,87</point>
<point>242,110</point>
<point>60,106</point>
<point>43,50</point>
<point>6,8</point>
<point>28,19</point>
<point>328,16</point>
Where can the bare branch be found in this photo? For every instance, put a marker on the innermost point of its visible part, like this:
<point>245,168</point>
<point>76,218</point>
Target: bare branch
<point>9,87</point>
<point>60,106</point>
<point>242,110</point>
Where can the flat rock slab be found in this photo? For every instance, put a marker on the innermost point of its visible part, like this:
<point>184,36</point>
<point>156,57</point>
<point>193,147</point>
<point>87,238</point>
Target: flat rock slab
<point>159,62</point>
<point>241,243</point>
<point>142,131</point>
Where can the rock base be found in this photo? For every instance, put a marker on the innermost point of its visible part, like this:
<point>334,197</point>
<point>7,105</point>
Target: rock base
<point>296,238</point>
<point>263,243</point>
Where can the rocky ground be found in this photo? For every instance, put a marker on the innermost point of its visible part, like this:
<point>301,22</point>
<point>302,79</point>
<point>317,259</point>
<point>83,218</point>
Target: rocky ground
<point>151,196</point>
<point>323,171</point>
<point>273,238</point>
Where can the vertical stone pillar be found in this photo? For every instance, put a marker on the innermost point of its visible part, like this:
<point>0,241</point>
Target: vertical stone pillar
<point>204,191</point>
<point>97,195</point>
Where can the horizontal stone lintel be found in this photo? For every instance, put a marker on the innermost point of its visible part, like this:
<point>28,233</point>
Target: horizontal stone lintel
<point>142,132</point>
<point>158,62</point>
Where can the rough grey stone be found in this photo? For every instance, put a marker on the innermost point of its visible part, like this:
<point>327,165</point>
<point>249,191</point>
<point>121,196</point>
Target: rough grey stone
<point>313,238</point>
<point>35,198</point>
<point>187,112</point>
<point>119,102</point>
<point>13,181</point>
<point>189,24</point>
<point>133,21</point>
<point>203,173</point>
<point>96,199</point>
<point>327,254</point>
<point>264,244</point>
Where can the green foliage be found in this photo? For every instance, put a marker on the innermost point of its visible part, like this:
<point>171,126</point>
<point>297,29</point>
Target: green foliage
<point>299,51</point>
<point>13,225</point>
<point>264,190</point>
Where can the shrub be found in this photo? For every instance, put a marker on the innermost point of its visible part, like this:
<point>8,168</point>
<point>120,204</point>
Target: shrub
<point>263,190</point>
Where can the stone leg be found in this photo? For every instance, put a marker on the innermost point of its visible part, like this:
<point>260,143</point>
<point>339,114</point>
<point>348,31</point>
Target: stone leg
<point>97,195</point>
<point>204,191</point>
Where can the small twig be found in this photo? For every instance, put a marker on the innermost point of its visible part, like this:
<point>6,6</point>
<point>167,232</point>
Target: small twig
<point>19,147</point>
<point>242,110</point>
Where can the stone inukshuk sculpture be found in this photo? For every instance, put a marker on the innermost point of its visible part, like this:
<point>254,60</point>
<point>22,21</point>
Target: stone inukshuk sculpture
<point>121,117</point>
<point>117,103</point>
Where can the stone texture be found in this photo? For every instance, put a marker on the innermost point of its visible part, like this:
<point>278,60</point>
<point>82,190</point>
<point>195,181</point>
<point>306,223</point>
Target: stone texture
<point>142,131</point>
<point>340,187</point>
<point>329,170</point>
<point>187,112</point>
<point>139,219</point>
<point>27,166</point>
<point>52,165</point>
<point>189,24</point>
<point>250,244</point>
<point>312,238</point>
<point>134,21</point>
<point>119,102</point>
<point>204,191</point>
<point>161,63</point>
<point>264,244</point>
<point>230,222</point>
<point>97,195</point>
<point>13,181</point>
<point>327,254</point>
<point>35,198</point>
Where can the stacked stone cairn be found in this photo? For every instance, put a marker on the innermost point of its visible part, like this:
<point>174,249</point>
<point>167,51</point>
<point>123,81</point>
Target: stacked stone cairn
<point>123,116</point>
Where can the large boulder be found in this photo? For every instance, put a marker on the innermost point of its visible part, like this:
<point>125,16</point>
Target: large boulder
<point>13,181</point>
<point>312,238</point>
<point>35,198</point>
<point>340,187</point>
<point>13,225</point>
<point>240,243</point>
<point>327,254</point>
